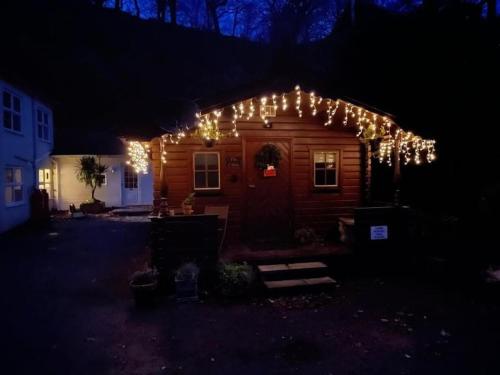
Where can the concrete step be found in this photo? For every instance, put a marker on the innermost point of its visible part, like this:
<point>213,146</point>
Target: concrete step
<point>287,271</point>
<point>299,283</point>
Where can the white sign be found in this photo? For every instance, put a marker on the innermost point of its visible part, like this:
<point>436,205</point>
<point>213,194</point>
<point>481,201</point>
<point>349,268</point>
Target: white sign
<point>378,232</point>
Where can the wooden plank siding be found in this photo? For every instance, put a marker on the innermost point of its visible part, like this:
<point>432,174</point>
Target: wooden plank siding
<point>309,206</point>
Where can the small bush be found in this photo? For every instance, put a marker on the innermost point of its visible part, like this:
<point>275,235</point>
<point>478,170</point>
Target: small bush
<point>305,236</point>
<point>235,279</point>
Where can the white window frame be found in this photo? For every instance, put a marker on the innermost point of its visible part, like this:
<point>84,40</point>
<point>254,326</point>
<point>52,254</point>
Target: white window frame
<point>133,172</point>
<point>11,110</point>
<point>44,182</point>
<point>337,166</point>
<point>206,170</point>
<point>42,124</point>
<point>105,181</point>
<point>12,185</point>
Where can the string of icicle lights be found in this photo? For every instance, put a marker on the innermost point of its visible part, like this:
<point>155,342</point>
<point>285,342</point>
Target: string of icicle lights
<point>369,125</point>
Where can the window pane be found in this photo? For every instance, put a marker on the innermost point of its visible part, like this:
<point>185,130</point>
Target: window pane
<point>17,104</point>
<point>199,162</point>
<point>212,162</point>
<point>330,157</point>
<point>200,180</point>
<point>40,176</point>
<point>18,193</point>
<point>331,177</point>
<point>39,115</point>
<point>319,157</point>
<point>6,100</point>
<point>213,179</point>
<point>7,121</point>
<point>47,175</point>
<point>40,131</point>
<point>18,176</point>
<point>16,123</point>
<point>8,194</point>
<point>320,177</point>
<point>46,133</point>
<point>45,118</point>
<point>9,175</point>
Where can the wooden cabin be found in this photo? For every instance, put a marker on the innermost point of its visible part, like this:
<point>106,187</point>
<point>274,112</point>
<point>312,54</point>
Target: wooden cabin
<point>323,171</point>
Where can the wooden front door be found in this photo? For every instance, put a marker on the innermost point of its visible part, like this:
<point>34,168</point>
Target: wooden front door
<point>268,208</point>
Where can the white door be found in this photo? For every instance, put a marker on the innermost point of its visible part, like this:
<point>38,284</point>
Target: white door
<point>130,186</point>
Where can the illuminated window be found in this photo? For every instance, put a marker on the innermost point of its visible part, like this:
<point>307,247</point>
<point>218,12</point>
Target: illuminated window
<point>13,179</point>
<point>11,111</point>
<point>267,111</point>
<point>206,170</point>
<point>42,121</point>
<point>44,180</point>
<point>129,178</point>
<point>326,168</point>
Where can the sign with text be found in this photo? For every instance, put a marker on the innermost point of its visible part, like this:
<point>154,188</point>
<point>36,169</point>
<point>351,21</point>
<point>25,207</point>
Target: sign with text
<point>378,232</point>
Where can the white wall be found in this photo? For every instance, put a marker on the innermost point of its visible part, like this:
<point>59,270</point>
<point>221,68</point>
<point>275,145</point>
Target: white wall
<point>72,191</point>
<point>22,150</point>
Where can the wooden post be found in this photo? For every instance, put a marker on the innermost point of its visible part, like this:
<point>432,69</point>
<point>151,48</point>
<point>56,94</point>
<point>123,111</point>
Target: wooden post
<point>368,172</point>
<point>397,170</point>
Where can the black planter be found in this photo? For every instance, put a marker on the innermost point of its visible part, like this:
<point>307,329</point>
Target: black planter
<point>144,294</point>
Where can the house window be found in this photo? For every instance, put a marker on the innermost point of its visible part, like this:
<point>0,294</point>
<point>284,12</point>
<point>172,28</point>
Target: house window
<point>267,111</point>
<point>13,185</point>
<point>11,111</point>
<point>44,180</point>
<point>206,171</point>
<point>129,178</point>
<point>104,179</point>
<point>326,168</point>
<point>42,121</point>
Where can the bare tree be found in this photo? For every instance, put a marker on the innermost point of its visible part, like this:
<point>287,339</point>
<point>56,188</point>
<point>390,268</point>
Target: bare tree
<point>212,13</point>
<point>161,8</point>
<point>172,5</point>
<point>137,8</point>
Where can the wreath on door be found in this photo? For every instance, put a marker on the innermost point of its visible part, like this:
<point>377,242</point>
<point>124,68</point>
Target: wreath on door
<point>268,155</point>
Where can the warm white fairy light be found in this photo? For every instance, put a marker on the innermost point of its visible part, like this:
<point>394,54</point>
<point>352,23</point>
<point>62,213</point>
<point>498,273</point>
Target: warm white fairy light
<point>138,156</point>
<point>298,100</point>
<point>312,103</point>
<point>263,103</point>
<point>284,102</point>
<point>369,125</point>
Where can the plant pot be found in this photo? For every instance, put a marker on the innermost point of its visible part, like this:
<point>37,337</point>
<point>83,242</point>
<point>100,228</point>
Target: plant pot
<point>209,142</point>
<point>144,294</point>
<point>97,207</point>
<point>187,209</point>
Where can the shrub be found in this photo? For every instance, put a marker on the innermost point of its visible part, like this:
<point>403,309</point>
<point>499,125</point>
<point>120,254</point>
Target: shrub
<point>235,279</point>
<point>305,236</point>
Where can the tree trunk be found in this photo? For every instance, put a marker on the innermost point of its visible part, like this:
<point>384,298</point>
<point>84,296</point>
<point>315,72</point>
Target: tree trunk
<point>235,19</point>
<point>161,6</point>
<point>94,187</point>
<point>492,10</point>
<point>172,4</point>
<point>118,4</point>
<point>137,8</point>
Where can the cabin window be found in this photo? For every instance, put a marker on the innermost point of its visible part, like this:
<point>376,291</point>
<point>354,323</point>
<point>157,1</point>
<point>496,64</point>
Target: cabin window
<point>11,111</point>
<point>42,121</point>
<point>206,170</point>
<point>129,178</point>
<point>13,178</point>
<point>326,168</point>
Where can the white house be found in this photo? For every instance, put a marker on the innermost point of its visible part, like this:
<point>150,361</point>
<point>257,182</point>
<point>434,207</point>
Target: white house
<point>122,186</point>
<point>26,142</point>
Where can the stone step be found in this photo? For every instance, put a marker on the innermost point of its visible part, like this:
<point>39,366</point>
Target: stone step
<point>292,270</point>
<point>299,283</point>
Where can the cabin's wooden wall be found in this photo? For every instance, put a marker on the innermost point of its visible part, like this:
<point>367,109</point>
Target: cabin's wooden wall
<point>309,206</point>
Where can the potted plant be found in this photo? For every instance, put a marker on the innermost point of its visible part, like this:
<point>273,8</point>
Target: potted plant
<point>91,172</point>
<point>144,285</point>
<point>187,204</point>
